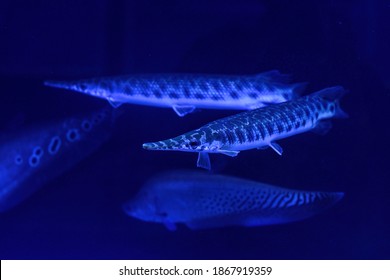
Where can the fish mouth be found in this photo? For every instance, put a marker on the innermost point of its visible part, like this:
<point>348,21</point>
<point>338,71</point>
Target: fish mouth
<point>155,146</point>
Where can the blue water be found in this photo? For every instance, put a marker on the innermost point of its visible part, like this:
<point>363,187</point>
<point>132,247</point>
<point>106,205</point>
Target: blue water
<point>79,216</point>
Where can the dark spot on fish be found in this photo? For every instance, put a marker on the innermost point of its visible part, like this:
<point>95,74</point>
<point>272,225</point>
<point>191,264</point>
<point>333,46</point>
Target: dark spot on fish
<point>297,125</point>
<point>286,96</point>
<point>163,86</point>
<point>303,122</point>
<point>318,106</point>
<point>269,128</point>
<point>289,127</point>
<point>240,135</point>
<point>331,108</point>
<point>251,136</point>
<point>127,90</point>
<point>262,132</point>
<point>18,159</point>
<point>280,127</point>
<point>194,144</point>
<point>144,84</point>
<point>312,106</point>
<point>38,151</point>
<point>216,96</point>
<point>199,96</point>
<point>234,94</point>
<point>229,137</point>
<point>253,95</point>
<point>317,115</point>
<point>300,114</point>
<point>72,135</point>
<point>203,86</point>
<point>239,86</point>
<point>86,125</point>
<point>83,87</point>
<point>157,93</point>
<point>217,86</point>
<point>187,92</point>
<point>54,145</point>
<point>147,92</point>
<point>173,95</point>
<point>33,161</point>
<point>307,111</point>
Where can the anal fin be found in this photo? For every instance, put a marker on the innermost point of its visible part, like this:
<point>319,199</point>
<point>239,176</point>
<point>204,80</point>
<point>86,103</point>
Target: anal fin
<point>204,160</point>
<point>276,147</point>
<point>322,127</point>
<point>183,110</point>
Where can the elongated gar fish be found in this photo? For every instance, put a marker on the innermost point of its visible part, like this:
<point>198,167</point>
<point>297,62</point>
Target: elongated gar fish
<point>258,128</point>
<point>201,200</point>
<point>186,92</point>
<point>30,158</point>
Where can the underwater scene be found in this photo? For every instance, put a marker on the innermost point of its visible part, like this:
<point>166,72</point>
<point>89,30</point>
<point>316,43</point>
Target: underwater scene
<point>185,129</point>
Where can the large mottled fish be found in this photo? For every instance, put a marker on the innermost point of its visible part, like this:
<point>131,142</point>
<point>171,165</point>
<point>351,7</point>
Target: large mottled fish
<point>31,157</point>
<point>203,200</point>
<point>186,92</point>
<point>259,128</point>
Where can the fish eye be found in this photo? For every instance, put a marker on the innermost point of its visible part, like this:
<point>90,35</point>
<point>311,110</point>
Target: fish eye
<point>194,143</point>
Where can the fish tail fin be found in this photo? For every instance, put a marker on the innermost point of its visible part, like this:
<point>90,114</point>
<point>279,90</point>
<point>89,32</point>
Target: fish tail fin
<point>333,94</point>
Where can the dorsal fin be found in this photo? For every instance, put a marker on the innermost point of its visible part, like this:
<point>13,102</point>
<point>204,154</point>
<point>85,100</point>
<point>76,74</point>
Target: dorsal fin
<point>331,93</point>
<point>274,76</point>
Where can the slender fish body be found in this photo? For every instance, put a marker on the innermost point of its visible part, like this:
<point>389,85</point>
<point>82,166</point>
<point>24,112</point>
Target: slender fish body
<point>186,92</point>
<point>202,200</point>
<point>31,157</point>
<point>258,128</point>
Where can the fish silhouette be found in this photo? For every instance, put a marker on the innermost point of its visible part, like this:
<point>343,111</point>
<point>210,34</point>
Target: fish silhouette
<point>203,200</point>
<point>186,92</point>
<point>33,156</point>
<point>259,128</point>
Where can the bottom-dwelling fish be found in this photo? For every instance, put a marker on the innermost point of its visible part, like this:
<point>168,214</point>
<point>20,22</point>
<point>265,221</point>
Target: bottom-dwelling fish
<point>259,128</point>
<point>202,200</point>
<point>31,157</point>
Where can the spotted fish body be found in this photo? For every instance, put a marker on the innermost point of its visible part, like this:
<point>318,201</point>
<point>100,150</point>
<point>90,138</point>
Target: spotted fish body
<point>203,200</point>
<point>32,157</point>
<point>258,128</point>
<point>186,92</point>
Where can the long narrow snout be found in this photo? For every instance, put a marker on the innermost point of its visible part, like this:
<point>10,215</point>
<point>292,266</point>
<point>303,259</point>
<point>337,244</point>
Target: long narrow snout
<point>155,146</point>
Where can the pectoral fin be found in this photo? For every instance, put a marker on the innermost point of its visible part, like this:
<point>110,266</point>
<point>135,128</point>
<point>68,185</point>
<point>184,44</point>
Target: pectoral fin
<point>276,147</point>
<point>204,160</point>
<point>183,110</point>
<point>114,103</point>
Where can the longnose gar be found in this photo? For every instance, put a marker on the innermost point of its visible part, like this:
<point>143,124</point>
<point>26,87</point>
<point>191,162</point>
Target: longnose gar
<point>186,92</point>
<point>203,200</point>
<point>258,128</point>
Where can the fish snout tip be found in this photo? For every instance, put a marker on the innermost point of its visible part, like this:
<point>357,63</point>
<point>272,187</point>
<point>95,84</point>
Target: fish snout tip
<point>149,146</point>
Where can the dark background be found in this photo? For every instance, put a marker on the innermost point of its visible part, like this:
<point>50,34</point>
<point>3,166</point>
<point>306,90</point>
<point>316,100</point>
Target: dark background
<point>325,43</point>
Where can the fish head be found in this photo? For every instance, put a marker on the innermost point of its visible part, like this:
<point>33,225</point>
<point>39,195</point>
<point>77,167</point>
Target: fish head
<point>195,141</point>
<point>93,87</point>
<point>145,206</point>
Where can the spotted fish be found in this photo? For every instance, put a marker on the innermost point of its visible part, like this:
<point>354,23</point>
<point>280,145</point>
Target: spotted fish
<point>203,200</point>
<point>31,157</point>
<point>186,92</point>
<point>258,128</point>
